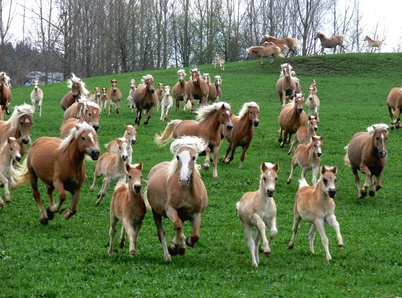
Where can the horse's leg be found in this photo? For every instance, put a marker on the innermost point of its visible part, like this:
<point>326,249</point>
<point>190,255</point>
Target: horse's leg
<point>243,154</point>
<point>292,168</point>
<point>331,220</point>
<point>315,174</point>
<point>324,239</point>
<point>112,233</point>
<point>49,190</point>
<point>110,109</point>
<point>215,161</point>
<point>177,245</point>
<point>378,184</point>
<point>36,194</point>
<point>280,139</point>
<point>260,224</point>
<point>360,193</point>
<point>285,135</point>
<point>248,230</point>
<point>391,115</point>
<point>293,145</point>
<point>122,236</point>
<point>225,159</point>
<point>369,179</point>
<point>261,62</point>
<point>398,115</point>
<point>4,181</point>
<point>105,185</point>
<point>138,117</point>
<point>161,235</point>
<point>273,230</point>
<point>40,107</point>
<point>132,235</point>
<point>75,198</point>
<point>195,235</point>
<point>296,222</point>
<point>311,236</point>
<point>149,114</point>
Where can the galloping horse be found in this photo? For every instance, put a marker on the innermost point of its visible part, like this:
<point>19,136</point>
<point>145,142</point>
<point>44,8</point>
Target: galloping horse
<point>271,51</point>
<point>291,43</point>
<point>145,98</point>
<point>130,97</point>
<point>242,132</point>
<point>9,153</point>
<point>176,191</point>
<point>331,42</point>
<point>60,164</point>
<point>18,126</point>
<point>179,90</point>
<point>207,126</point>
<point>219,61</point>
<point>5,92</point>
<point>131,135</point>
<point>197,88</point>
<point>37,96</point>
<point>375,45</point>
<point>77,90</point>
<point>367,152</point>
<point>394,103</point>
<point>114,95</point>
<point>286,85</point>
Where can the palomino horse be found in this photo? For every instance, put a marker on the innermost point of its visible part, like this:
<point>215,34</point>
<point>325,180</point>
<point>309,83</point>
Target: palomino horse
<point>161,94</point>
<point>145,98</point>
<point>18,126</point>
<point>305,133</point>
<point>76,110</point>
<point>37,96</point>
<point>166,104</point>
<point>270,51</point>
<point>316,205</point>
<point>176,191</point>
<point>96,96</point>
<point>308,157</point>
<point>242,132</point>
<point>291,43</point>
<point>179,90</point>
<point>112,167</point>
<point>291,117</point>
<point>128,206</point>
<point>9,153</point>
<point>60,164</point>
<point>286,85</point>
<point>131,135</point>
<point>5,92</point>
<point>219,61</point>
<point>313,102</point>
<point>78,89</point>
<point>114,96</point>
<point>215,91</point>
<point>207,126</point>
<point>258,209</point>
<point>130,97</point>
<point>394,103</point>
<point>367,152</point>
<point>104,100</point>
<point>331,42</point>
<point>197,88</point>
<point>375,45</point>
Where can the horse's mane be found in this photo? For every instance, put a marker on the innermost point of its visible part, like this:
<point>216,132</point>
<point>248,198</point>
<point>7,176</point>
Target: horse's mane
<point>74,133</point>
<point>19,111</point>
<point>181,71</point>
<point>92,104</point>
<point>323,34</point>
<point>377,127</point>
<point>75,79</point>
<point>144,78</point>
<point>246,106</point>
<point>205,111</point>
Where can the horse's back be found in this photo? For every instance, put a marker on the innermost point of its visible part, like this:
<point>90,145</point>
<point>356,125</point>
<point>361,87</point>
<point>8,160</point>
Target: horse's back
<point>67,100</point>
<point>394,98</point>
<point>143,98</point>
<point>358,143</point>
<point>66,127</point>
<point>157,188</point>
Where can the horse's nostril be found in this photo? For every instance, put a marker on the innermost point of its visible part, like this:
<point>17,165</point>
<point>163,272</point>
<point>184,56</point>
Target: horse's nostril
<point>256,123</point>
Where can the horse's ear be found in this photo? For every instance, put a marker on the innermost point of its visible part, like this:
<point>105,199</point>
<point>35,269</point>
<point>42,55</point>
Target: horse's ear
<point>334,170</point>
<point>140,166</point>
<point>128,167</point>
<point>263,166</point>
<point>276,167</point>
<point>125,126</point>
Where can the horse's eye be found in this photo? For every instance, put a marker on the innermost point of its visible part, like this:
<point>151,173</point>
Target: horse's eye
<point>265,179</point>
<point>377,138</point>
<point>129,176</point>
<point>90,115</point>
<point>177,157</point>
<point>11,149</point>
<point>21,123</point>
<point>325,180</point>
<point>83,138</point>
<point>193,157</point>
<point>276,178</point>
<point>335,180</point>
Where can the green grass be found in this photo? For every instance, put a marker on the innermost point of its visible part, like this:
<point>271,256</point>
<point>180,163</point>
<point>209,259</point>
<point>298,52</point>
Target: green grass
<point>69,258</point>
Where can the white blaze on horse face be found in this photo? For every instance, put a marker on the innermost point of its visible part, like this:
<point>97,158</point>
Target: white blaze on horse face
<point>124,150</point>
<point>91,137</point>
<point>27,120</point>
<point>185,170</point>
<point>269,182</point>
<point>319,146</point>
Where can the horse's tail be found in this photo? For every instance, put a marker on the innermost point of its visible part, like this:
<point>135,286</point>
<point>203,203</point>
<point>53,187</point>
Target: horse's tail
<point>145,198</point>
<point>296,43</point>
<point>21,175</point>
<point>303,182</point>
<point>167,134</point>
<point>237,205</point>
<point>345,38</point>
<point>346,160</point>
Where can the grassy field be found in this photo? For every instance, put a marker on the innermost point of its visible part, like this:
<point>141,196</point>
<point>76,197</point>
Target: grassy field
<point>69,258</point>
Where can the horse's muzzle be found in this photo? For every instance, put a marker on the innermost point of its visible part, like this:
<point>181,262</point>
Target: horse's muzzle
<point>95,126</point>
<point>94,153</point>
<point>331,192</point>
<point>382,153</point>
<point>270,192</point>
<point>25,140</point>
<point>195,83</point>
<point>256,123</point>
<point>229,126</point>
<point>299,110</point>
<point>137,188</point>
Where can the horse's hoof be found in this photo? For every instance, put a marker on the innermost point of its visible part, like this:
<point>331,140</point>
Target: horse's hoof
<point>121,244</point>
<point>67,214</point>
<point>132,253</point>
<point>267,254</point>
<point>206,167</point>
<point>50,214</point>
<point>341,246</point>
<point>371,193</point>
<point>362,194</point>
<point>44,221</point>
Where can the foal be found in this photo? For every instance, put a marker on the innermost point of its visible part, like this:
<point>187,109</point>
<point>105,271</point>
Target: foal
<point>313,102</point>
<point>305,133</point>
<point>10,151</point>
<point>166,104</point>
<point>112,166</point>
<point>131,135</point>
<point>130,97</point>
<point>308,157</point>
<point>316,204</point>
<point>258,209</point>
<point>128,206</point>
<point>37,96</point>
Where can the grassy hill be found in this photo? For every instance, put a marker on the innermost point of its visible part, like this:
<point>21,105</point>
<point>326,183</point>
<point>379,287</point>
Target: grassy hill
<point>69,258</point>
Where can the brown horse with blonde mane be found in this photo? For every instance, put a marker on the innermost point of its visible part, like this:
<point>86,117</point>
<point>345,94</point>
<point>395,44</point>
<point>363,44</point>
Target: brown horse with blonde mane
<point>146,98</point>
<point>270,51</point>
<point>394,103</point>
<point>286,85</point>
<point>176,191</point>
<point>207,126</point>
<point>292,44</point>
<point>114,95</point>
<point>179,90</point>
<point>197,88</point>
<point>5,93</point>
<point>60,164</point>
<point>78,89</point>
<point>367,152</point>
<point>374,44</point>
<point>332,42</point>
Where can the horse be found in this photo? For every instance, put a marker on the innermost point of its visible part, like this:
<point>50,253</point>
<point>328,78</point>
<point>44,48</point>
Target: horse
<point>258,209</point>
<point>367,152</point>
<point>131,135</point>
<point>128,206</point>
<point>375,45</point>
<point>270,51</point>
<point>219,61</point>
<point>242,132</point>
<point>292,44</point>
<point>37,96</point>
<point>104,100</point>
<point>96,96</point>
<point>197,88</point>
<point>166,104</point>
<point>394,103</point>
<point>316,205</point>
<point>1,114</point>
<point>215,91</point>
<point>179,89</point>
<point>114,96</point>
<point>5,92</point>
<point>130,97</point>
<point>308,157</point>
<point>10,152</point>
<point>305,133</point>
<point>284,48</point>
<point>207,126</point>
<point>313,102</point>
<point>18,125</point>
<point>112,167</point>
<point>60,164</point>
<point>286,85</point>
<point>145,98</point>
<point>291,117</point>
<point>331,42</point>
<point>161,94</point>
<point>176,191</point>
<point>78,89</point>
<point>76,110</point>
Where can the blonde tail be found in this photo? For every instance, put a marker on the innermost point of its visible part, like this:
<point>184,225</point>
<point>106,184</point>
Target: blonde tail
<point>21,175</point>
<point>167,134</point>
<point>346,160</point>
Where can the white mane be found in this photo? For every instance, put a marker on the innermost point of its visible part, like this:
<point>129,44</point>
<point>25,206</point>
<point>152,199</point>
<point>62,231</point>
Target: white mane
<point>74,133</point>
<point>377,127</point>
<point>205,111</point>
<point>19,111</point>
<point>181,71</point>
<point>147,77</point>
<point>75,79</point>
<point>246,106</point>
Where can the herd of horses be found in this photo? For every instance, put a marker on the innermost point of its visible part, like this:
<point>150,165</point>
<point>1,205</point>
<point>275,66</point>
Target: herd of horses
<point>175,189</point>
